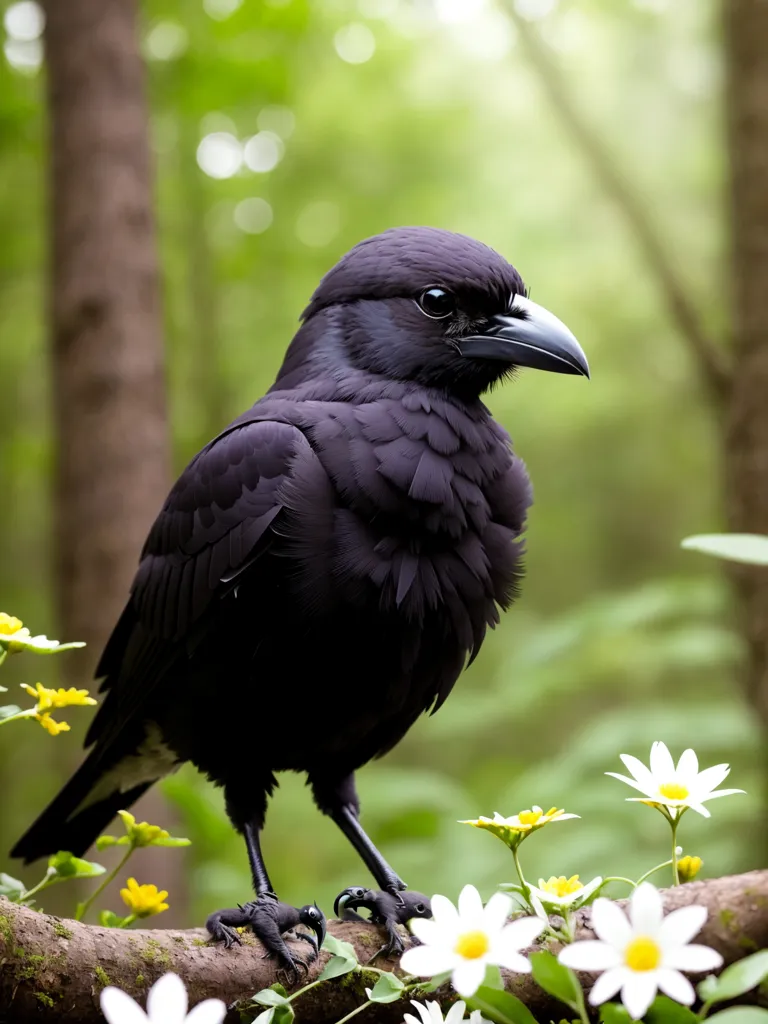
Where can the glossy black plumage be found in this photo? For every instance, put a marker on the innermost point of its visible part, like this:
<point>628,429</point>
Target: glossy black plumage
<point>323,570</point>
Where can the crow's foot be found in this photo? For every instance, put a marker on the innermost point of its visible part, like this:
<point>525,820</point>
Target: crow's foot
<point>270,920</point>
<point>387,909</point>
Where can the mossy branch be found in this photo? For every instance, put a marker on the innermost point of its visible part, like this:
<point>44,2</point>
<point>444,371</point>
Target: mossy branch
<point>52,970</point>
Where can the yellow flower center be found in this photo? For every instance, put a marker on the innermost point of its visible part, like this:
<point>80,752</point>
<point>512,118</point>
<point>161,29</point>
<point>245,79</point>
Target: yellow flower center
<point>529,817</point>
<point>561,886</point>
<point>9,624</point>
<point>472,945</point>
<point>642,954</point>
<point>673,791</point>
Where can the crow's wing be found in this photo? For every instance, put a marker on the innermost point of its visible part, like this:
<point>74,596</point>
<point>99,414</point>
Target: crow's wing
<point>215,522</point>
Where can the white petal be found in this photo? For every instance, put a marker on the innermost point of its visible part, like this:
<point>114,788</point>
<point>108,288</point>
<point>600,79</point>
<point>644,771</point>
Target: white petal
<point>512,960</point>
<point>521,933</point>
<point>688,765</point>
<point>646,910</point>
<point>430,932</point>
<point>711,778</point>
<point>476,1017</point>
<point>699,808</point>
<point>609,923</point>
<point>693,958</point>
<point>721,792</point>
<point>409,1018</point>
<point>648,790</point>
<point>674,985</point>
<point>444,912</point>
<point>638,990</point>
<point>434,1013</point>
<point>470,905</point>
<point>639,771</point>
<point>590,956</point>
<point>456,1013</point>
<point>427,960</point>
<point>468,976</point>
<point>662,765</point>
<point>210,1011</point>
<point>679,927</point>
<point>496,912</point>
<point>167,1001</point>
<point>588,889</point>
<point>118,1007</point>
<point>423,1012</point>
<point>607,985</point>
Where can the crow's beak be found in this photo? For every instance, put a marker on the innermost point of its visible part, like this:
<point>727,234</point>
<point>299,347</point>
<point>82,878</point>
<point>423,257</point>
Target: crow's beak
<point>320,929</point>
<point>351,899</point>
<point>529,336</point>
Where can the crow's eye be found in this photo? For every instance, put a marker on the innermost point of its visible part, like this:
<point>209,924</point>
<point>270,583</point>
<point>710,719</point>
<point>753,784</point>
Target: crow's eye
<point>437,303</point>
<point>420,908</point>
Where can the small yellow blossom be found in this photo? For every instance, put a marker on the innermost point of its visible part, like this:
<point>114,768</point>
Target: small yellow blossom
<point>143,900</point>
<point>47,699</point>
<point>16,637</point>
<point>138,834</point>
<point>561,886</point>
<point>9,624</point>
<point>50,724</point>
<point>514,829</point>
<point>688,868</point>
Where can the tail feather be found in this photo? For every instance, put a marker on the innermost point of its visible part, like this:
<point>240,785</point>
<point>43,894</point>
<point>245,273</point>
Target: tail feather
<point>72,822</point>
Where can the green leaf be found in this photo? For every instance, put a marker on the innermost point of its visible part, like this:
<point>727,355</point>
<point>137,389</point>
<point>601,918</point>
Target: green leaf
<point>64,865</point>
<point>172,841</point>
<point>707,988</point>
<point>10,887</point>
<point>337,966</point>
<point>501,1007</point>
<point>109,919</point>
<point>751,548</point>
<point>740,1015</point>
<point>739,978</point>
<point>556,979</point>
<point>493,977</point>
<point>614,1013</point>
<point>435,983</point>
<point>339,948</point>
<point>268,997</point>
<point>387,989</point>
<point>9,710</point>
<point>667,1011</point>
<point>104,842</point>
<point>283,1014</point>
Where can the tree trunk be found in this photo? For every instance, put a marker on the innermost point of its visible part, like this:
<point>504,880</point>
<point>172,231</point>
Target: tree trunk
<point>746,423</point>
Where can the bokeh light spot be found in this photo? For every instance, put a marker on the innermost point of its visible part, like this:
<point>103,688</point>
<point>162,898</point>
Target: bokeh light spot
<point>318,224</point>
<point>166,40</point>
<point>263,152</point>
<point>382,9</point>
<point>24,56</point>
<point>355,43</point>
<point>220,155</point>
<point>454,12</point>
<point>24,21</point>
<point>532,10</point>
<point>220,10</point>
<point>279,120</point>
<point>253,215</point>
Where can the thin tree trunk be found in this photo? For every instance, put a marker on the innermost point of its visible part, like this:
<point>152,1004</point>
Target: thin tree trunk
<point>746,439</point>
<point>112,446</point>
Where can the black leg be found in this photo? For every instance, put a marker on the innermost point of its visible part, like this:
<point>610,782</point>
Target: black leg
<point>261,883</point>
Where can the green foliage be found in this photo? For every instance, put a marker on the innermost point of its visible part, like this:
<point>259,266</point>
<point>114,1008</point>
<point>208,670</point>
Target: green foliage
<point>666,1011</point>
<point>500,1007</point>
<point>388,989</point>
<point>556,979</point>
<point>737,979</point>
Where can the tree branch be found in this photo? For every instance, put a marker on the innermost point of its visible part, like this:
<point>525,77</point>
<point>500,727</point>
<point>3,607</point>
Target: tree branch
<point>710,359</point>
<point>51,971</point>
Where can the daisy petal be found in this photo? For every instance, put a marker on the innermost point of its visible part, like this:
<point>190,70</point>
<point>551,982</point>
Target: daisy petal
<point>607,985</point>
<point>513,961</point>
<point>167,1001</point>
<point>426,961</point>
<point>119,1008</point>
<point>722,792</point>
<point>496,912</point>
<point>428,931</point>
<point>408,1018</point>
<point>638,990</point>
<point>444,912</point>
<point>434,1013</point>
<point>674,985</point>
<point>470,905</point>
<point>456,1013</point>
<point>646,910</point>
<point>468,976</point>
<point>521,933</point>
<point>210,1011</point>
<point>639,771</point>
<point>711,778</point>
<point>609,923</point>
<point>590,956</point>
<point>688,765</point>
<point>679,927</point>
<point>693,958</point>
<point>662,765</point>
<point>649,791</point>
<point>699,808</point>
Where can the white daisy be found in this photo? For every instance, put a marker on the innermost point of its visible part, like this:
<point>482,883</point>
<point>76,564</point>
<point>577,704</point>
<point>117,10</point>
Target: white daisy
<point>432,1014</point>
<point>642,953</point>
<point>166,1004</point>
<point>465,940</point>
<point>563,893</point>
<point>675,787</point>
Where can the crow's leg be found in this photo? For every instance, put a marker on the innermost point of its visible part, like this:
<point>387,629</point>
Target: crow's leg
<point>389,906</point>
<point>266,916</point>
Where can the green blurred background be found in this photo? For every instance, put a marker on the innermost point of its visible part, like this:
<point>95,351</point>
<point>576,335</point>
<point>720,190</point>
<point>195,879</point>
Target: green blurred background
<point>284,131</point>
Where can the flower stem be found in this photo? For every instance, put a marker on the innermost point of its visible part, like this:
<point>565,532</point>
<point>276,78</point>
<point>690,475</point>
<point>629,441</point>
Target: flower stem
<point>354,1013</point>
<point>29,713</point>
<point>520,875</point>
<point>674,822</point>
<point>83,907</point>
<point>658,867</point>
<point>620,878</point>
<point>42,884</point>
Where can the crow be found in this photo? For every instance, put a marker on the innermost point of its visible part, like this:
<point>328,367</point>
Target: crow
<point>325,567</point>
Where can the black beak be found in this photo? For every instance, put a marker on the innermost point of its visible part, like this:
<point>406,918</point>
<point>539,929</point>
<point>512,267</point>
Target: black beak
<point>351,899</point>
<point>319,928</point>
<point>529,336</point>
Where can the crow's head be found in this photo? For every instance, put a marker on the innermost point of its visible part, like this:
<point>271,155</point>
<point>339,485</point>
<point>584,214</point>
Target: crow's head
<point>437,308</point>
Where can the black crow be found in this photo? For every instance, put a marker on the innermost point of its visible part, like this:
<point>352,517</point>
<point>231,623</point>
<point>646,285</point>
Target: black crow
<point>324,569</point>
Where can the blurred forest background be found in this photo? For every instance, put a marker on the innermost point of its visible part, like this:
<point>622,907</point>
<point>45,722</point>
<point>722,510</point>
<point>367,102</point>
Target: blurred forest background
<point>282,132</point>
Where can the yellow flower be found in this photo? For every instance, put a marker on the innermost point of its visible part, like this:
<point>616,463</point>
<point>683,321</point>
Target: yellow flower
<point>51,725</point>
<point>514,829</point>
<point>9,624</point>
<point>688,868</point>
<point>140,834</point>
<point>143,900</point>
<point>47,699</point>
<point>561,886</point>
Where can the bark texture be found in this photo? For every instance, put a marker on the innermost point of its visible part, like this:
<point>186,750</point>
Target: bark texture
<point>53,970</point>
<point>112,465</point>
<point>746,440</point>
